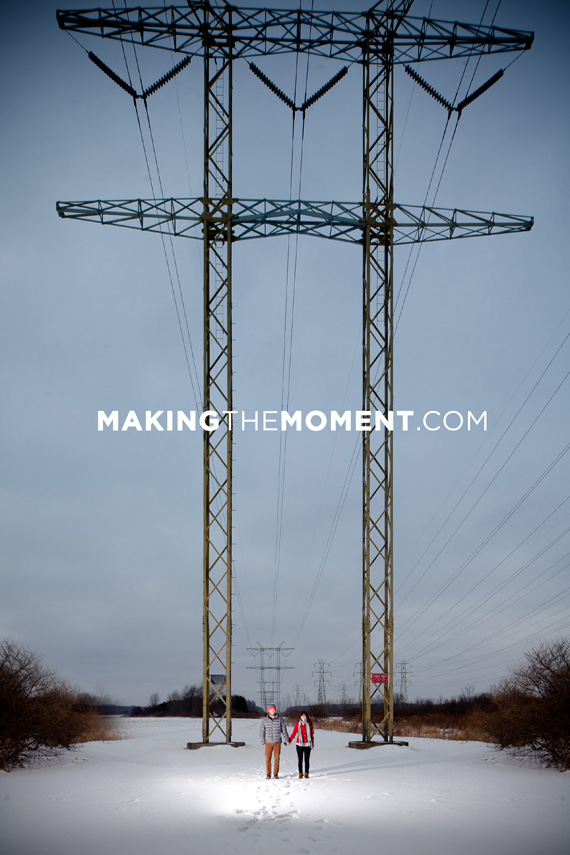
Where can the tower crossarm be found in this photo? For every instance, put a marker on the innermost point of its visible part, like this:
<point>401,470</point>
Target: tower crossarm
<point>255,218</point>
<point>261,32</point>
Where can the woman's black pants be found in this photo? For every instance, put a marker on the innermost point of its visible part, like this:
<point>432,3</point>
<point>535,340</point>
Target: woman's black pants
<point>303,751</point>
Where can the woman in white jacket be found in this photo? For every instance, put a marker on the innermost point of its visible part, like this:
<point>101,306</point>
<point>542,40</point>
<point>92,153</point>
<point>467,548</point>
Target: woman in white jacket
<point>304,733</point>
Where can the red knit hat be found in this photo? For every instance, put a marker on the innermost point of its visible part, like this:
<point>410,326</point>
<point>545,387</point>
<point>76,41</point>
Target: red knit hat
<point>271,707</point>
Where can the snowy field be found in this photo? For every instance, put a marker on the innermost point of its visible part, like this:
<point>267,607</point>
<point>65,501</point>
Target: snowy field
<point>147,795</point>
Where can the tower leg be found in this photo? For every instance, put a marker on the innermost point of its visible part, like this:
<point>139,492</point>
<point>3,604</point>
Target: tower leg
<point>377,617</point>
<point>217,620</point>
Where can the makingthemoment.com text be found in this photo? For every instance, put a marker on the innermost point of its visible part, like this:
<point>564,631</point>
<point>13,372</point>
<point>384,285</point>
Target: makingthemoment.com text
<point>281,420</point>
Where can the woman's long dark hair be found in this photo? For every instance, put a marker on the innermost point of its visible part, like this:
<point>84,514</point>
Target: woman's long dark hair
<point>304,712</point>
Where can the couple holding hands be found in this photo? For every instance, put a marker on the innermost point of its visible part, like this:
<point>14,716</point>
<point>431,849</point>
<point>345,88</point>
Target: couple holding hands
<point>272,731</point>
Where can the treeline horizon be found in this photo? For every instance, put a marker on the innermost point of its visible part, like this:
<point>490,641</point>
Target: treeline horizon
<point>188,703</point>
<point>528,712</point>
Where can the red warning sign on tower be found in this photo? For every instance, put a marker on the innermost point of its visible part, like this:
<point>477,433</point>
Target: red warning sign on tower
<point>379,678</point>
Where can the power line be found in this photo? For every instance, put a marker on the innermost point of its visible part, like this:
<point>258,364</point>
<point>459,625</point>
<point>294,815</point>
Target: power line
<point>420,246</point>
<point>288,342</point>
<point>473,607</point>
<point>194,380</point>
<point>505,409</point>
<point>499,607</point>
<point>497,528</point>
<point>472,508</point>
<point>330,538</point>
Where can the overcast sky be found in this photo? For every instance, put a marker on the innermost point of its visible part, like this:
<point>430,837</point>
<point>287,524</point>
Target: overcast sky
<point>102,531</point>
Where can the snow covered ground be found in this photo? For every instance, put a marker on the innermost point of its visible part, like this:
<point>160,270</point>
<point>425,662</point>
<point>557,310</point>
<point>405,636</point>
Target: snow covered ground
<point>147,795</point>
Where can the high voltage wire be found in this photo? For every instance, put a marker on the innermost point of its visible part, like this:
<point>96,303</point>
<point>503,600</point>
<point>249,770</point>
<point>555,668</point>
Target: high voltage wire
<point>238,587</point>
<point>330,538</point>
<point>336,518</point>
<point>471,608</point>
<point>517,646</point>
<point>325,490</point>
<point>195,389</point>
<point>485,463</point>
<point>186,342</point>
<point>196,395</point>
<point>513,645</point>
<point>235,579</point>
<point>288,328</point>
<point>518,622</point>
<point>510,600</point>
<point>445,164</point>
<point>518,572</point>
<point>194,381</point>
<point>288,343</point>
<point>420,246</point>
<point>427,193</point>
<point>497,528</point>
<point>562,623</point>
<point>499,419</point>
<point>234,575</point>
<point>553,626</point>
<point>196,384</point>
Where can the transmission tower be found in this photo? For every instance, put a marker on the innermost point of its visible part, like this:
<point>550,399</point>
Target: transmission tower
<point>358,682</point>
<point>322,681</point>
<point>270,691</point>
<point>404,672</point>
<point>377,40</point>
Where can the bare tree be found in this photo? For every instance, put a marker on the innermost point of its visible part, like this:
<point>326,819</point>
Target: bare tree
<point>532,716</point>
<point>40,714</point>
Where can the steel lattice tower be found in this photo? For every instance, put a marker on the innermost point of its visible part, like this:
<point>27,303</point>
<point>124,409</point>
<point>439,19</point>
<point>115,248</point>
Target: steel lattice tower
<point>404,673</point>
<point>322,681</point>
<point>270,690</point>
<point>218,381</point>
<point>378,39</point>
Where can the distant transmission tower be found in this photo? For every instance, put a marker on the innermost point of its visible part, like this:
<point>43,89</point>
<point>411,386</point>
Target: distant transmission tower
<point>404,672</point>
<point>376,40</point>
<point>270,690</point>
<point>358,683</point>
<point>322,681</point>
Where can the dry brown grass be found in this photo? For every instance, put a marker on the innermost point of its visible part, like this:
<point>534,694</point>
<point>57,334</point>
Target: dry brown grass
<point>97,728</point>
<point>338,724</point>
<point>469,728</point>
